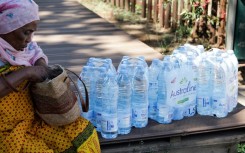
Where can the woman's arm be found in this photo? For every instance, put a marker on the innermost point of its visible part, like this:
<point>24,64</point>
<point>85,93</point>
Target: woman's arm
<point>31,73</point>
<point>40,62</point>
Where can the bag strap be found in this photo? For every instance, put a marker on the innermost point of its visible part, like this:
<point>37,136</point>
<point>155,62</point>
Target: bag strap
<point>85,105</point>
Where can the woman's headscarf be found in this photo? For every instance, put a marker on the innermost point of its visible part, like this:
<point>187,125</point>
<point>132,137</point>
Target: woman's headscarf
<point>15,14</point>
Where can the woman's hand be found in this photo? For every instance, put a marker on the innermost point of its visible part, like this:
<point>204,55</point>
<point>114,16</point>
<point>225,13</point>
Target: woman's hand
<point>37,73</point>
<point>30,73</point>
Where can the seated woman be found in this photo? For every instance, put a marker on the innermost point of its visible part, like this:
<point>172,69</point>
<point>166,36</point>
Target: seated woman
<point>22,61</point>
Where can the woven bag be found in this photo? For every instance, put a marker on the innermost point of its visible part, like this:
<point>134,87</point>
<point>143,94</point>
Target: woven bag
<point>55,101</point>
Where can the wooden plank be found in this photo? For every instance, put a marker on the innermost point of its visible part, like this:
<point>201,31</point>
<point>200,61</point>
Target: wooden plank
<point>188,126</point>
<point>122,5</point>
<point>127,5</point>
<point>149,10</point>
<point>117,3</point>
<point>133,5</point>
<point>167,16</point>
<point>143,6</point>
<point>175,15</point>
<point>156,10</point>
<point>181,8</point>
<point>161,13</point>
<point>210,8</point>
<point>113,2</point>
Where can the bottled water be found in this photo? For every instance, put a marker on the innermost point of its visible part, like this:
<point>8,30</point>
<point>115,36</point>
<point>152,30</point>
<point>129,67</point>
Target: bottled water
<point>178,108</point>
<point>234,61</point>
<point>219,102</point>
<point>196,50</point>
<point>109,120</point>
<point>229,80</point>
<point>139,98</point>
<point>132,63</point>
<point>124,101</point>
<point>142,62</point>
<point>164,111</point>
<point>201,49</point>
<point>100,62</point>
<point>85,75</point>
<point>204,90</point>
<point>191,69</point>
<point>100,73</point>
<point>154,70</point>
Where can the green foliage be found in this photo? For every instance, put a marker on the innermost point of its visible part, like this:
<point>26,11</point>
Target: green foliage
<point>241,148</point>
<point>182,32</point>
<point>191,16</point>
<point>213,20</point>
<point>122,15</point>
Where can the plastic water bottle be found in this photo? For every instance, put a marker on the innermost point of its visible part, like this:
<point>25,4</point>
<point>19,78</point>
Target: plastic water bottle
<point>178,109</point>
<point>191,68</point>
<point>154,70</point>
<point>234,61</point>
<point>219,102</point>
<point>100,73</point>
<point>109,120</point>
<point>139,100</point>
<point>100,62</point>
<point>204,87</point>
<point>124,101</point>
<point>229,80</point>
<point>85,75</point>
<point>164,111</point>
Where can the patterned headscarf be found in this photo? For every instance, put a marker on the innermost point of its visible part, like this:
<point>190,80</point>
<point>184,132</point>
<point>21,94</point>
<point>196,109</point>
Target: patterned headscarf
<point>16,13</point>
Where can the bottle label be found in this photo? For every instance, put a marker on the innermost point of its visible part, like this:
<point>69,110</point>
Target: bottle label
<point>191,110</point>
<point>167,115</point>
<point>219,103</point>
<point>124,121</point>
<point>98,119</point>
<point>109,124</point>
<point>140,114</point>
<point>203,102</point>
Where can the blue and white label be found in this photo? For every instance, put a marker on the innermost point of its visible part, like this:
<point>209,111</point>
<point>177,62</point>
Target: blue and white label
<point>203,102</point>
<point>124,121</point>
<point>109,124</point>
<point>140,114</point>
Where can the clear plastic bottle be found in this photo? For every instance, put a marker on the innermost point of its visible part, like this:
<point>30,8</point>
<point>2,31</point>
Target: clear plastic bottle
<point>178,108</point>
<point>102,62</point>
<point>204,87</point>
<point>100,73</point>
<point>191,68</point>
<point>109,120</point>
<point>164,111</point>
<point>219,102</point>
<point>85,75</point>
<point>230,89</point>
<point>234,61</point>
<point>139,98</point>
<point>124,100</point>
<point>154,70</point>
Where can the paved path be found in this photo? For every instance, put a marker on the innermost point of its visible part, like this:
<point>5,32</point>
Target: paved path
<point>69,34</point>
